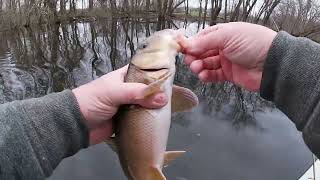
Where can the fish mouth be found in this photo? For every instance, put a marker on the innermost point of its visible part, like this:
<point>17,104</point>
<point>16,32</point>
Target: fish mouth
<point>154,69</point>
<point>150,50</point>
<point>156,73</point>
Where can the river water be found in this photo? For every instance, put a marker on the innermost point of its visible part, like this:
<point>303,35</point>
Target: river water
<point>233,134</point>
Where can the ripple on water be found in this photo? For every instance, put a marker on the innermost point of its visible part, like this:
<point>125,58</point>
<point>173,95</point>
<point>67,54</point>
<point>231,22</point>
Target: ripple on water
<point>20,82</point>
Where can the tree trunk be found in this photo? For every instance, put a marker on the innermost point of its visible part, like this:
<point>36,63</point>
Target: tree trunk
<point>215,11</point>
<point>246,4</point>
<point>205,14</point>
<point>72,6</point>
<point>176,6</point>
<point>147,28</point>
<point>200,12</point>
<point>90,4</point>
<point>225,10</point>
<point>137,8</point>
<point>235,14</point>
<point>260,12</point>
<point>19,7</point>
<point>170,7</point>
<point>159,6</point>
<point>125,6</point>
<point>62,6</point>
<point>147,5</point>
<point>13,6</point>
<point>95,57</point>
<point>164,9</point>
<point>52,5</point>
<point>187,7</point>
<point>113,6</point>
<point>212,10</point>
<point>269,12</point>
<point>161,18</point>
<point>132,5</point>
<point>246,14</point>
<point>200,9</point>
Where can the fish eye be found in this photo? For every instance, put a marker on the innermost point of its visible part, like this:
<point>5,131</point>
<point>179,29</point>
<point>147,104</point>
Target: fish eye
<point>143,45</point>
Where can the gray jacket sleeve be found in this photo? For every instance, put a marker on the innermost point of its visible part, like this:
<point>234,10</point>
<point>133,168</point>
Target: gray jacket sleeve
<point>291,79</point>
<point>36,134</point>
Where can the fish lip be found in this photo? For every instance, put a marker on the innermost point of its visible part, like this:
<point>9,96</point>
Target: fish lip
<point>153,69</point>
<point>150,69</point>
<point>149,50</point>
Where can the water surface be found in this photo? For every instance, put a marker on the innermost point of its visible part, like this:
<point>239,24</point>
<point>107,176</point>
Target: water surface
<point>233,134</point>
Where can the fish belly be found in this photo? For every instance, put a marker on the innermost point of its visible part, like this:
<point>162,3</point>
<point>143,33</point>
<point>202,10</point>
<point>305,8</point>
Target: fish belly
<point>143,138</point>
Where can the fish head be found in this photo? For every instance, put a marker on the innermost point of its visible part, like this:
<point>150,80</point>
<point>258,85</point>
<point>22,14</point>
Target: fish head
<point>158,52</point>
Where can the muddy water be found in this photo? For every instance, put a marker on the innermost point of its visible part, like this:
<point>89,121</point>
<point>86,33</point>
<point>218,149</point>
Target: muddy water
<point>233,134</point>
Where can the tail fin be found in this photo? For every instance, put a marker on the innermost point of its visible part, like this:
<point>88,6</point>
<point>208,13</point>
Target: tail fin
<point>156,174</point>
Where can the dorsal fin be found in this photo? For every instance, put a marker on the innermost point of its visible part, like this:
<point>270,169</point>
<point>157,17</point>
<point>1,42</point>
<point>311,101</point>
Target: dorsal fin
<point>183,99</point>
<point>170,156</point>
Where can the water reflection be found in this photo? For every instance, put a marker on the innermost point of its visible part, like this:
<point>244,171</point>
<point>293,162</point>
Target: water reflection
<point>233,134</point>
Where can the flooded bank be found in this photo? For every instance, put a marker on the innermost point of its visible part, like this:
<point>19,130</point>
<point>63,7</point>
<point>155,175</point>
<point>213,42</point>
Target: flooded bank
<point>233,134</point>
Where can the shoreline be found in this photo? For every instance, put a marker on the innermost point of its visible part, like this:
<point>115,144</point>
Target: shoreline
<point>96,16</point>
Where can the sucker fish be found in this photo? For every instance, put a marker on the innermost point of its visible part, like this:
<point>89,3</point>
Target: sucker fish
<point>141,134</point>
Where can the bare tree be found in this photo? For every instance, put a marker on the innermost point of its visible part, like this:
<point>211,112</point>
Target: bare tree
<point>147,5</point>
<point>200,9</point>
<point>236,12</point>
<point>52,4</point>
<point>175,5</point>
<point>113,6</point>
<point>216,6</point>
<point>1,5</point>
<point>164,8</point>
<point>62,6</point>
<point>205,14</point>
<point>248,7</point>
<point>225,10</point>
<point>90,4</point>
<point>299,17</point>
<point>269,11</point>
<point>187,7</point>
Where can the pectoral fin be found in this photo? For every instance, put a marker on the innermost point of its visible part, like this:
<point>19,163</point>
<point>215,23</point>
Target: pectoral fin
<point>156,174</point>
<point>112,144</point>
<point>169,156</point>
<point>155,86</point>
<point>183,99</point>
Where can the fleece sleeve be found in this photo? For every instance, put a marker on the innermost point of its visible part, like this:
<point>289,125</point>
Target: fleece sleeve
<point>291,79</point>
<point>36,134</point>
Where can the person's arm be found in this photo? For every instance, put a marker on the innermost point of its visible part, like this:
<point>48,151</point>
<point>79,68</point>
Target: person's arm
<point>291,79</point>
<point>285,69</point>
<point>36,134</point>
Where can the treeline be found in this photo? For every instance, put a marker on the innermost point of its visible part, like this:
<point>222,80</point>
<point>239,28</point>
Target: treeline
<point>27,12</point>
<point>254,11</point>
<point>299,17</point>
